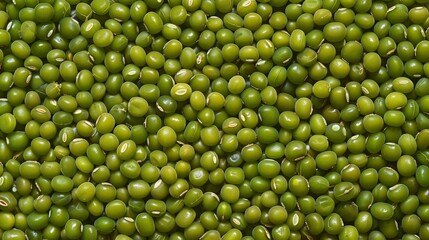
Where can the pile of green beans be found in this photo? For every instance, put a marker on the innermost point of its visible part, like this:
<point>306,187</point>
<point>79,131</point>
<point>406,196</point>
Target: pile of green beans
<point>214,119</point>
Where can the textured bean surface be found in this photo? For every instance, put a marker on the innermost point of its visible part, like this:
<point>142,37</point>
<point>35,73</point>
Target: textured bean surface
<point>214,119</point>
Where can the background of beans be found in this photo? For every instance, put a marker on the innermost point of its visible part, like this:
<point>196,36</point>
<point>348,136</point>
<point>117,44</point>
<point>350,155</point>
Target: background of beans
<point>214,119</point>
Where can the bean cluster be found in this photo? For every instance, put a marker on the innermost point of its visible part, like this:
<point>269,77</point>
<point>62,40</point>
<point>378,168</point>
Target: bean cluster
<point>214,119</point>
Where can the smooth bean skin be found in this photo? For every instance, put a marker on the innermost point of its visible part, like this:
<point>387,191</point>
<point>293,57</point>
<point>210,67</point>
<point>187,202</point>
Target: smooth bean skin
<point>382,211</point>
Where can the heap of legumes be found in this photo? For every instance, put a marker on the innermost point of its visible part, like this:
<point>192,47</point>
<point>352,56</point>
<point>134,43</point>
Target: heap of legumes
<point>214,119</point>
